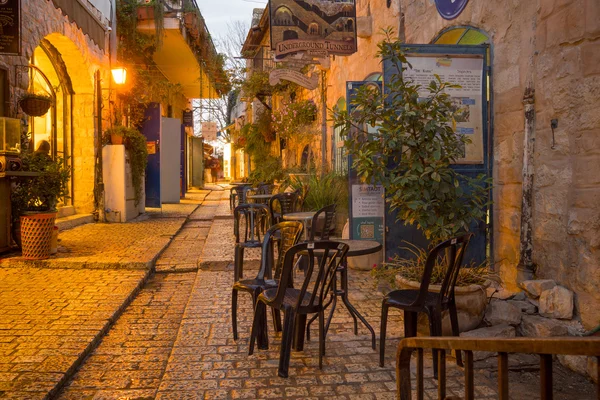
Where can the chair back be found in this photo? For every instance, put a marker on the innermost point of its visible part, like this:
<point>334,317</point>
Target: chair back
<point>323,223</point>
<point>323,260</point>
<point>284,202</point>
<point>241,192</point>
<point>285,235</point>
<point>254,216</point>
<point>449,252</point>
<point>264,188</point>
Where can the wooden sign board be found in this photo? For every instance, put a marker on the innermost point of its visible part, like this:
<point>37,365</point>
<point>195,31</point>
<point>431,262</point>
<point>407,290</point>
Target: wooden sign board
<point>10,27</point>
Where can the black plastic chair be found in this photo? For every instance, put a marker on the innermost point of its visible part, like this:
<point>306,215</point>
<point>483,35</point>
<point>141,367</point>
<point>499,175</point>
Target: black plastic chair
<point>323,223</point>
<point>298,303</point>
<point>450,253</point>
<point>285,235</point>
<point>281,204</point>
<point>238,195</point>
<point>255,216</point>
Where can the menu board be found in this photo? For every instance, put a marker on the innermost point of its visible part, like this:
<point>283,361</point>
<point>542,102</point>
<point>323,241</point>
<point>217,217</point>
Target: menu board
<point>368,209</point>
<point>467,101</point>
<point>10,27</point>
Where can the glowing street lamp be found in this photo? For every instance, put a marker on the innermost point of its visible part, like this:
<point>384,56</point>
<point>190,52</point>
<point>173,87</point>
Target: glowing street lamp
<point>119,75</point>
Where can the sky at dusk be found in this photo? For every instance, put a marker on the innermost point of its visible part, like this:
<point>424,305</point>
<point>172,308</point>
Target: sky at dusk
<point>218,13</point>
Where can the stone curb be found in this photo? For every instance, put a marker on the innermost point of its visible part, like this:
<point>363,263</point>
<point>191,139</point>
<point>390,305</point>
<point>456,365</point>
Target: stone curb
<point>68,375</point>
<point>150,271</point>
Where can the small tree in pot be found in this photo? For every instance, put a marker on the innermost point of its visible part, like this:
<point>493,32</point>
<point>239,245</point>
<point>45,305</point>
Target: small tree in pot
<point>412,154</point>
<point>34,201</point>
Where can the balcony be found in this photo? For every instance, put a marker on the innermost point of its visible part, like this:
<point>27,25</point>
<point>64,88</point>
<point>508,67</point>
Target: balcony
<point>187,55</point>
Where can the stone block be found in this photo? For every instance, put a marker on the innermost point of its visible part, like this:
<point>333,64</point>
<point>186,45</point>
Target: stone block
<point>535,326</point>
<point>502,313</point>
<point>591,58</point>
<point>574,363</point>
<point>592,368</point>
<point>364,26</point>
<point>521,296</point>
<point>498,331</point>
<point>592,17</point>
<point>535,287</point>
<point>525,306</point>
<point>557,303</point>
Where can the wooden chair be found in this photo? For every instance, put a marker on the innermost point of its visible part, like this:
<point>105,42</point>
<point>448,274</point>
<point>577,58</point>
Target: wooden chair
<point>255,216</point>
<point>298,303</point>
<point>413,302</point>
<point>287,233</point>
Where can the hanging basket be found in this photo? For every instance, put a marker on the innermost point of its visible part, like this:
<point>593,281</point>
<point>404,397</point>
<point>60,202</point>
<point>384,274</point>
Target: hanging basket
<point>36,235</point>
<point>35,107</point>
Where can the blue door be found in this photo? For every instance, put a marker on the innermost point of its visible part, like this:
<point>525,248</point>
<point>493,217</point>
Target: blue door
<point>151,130</point>
<point>441,56</point>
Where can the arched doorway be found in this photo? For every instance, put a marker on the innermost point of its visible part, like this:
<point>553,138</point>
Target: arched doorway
<point>69,126</point>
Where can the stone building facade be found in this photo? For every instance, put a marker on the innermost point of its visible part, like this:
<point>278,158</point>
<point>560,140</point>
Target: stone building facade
<point>551,47</point>
<point>58,48</point>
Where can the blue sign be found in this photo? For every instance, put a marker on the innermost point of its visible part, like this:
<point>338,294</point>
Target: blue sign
<point>450,9</point>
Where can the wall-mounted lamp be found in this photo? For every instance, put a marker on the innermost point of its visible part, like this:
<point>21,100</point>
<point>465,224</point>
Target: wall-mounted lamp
<point>119,75</point>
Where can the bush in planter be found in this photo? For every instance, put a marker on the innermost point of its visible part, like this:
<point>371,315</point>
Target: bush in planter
<point>135,144</point>
<point>34,201</point>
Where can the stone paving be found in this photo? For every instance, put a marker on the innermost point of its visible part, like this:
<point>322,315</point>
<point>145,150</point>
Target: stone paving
<point>174,341</point>
<point>50,320</point>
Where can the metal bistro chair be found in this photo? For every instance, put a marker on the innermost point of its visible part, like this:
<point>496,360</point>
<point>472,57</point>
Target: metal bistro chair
<point>288,234</point>
<point>432,304</point>
<point>254,217</point>
<point>281,204</point>
<point>298,303</point>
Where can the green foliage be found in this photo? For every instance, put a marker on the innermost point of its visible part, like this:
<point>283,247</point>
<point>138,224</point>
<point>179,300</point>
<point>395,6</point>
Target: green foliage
<point>412,269</point>
<point>40,193</point>
<point>135,144</point>
<point>267,170</point>
<point>321,190</point>
<point>416,137</point>
<point>294,118</point>
<point>257,85</point>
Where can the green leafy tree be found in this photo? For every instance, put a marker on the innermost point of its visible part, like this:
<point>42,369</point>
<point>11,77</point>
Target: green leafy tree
<point>413,150</point>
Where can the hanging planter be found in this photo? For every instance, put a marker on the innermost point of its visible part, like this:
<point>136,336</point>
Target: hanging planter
<point>35,105</point>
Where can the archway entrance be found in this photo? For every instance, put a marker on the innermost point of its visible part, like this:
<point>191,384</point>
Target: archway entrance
<point>58,67</point>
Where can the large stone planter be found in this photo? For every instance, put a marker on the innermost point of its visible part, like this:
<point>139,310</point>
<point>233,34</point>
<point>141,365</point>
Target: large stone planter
<point>470,303</point>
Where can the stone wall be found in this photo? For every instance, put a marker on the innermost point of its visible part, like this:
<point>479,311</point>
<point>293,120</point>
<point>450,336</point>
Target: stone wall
<point>552,44</point>
<point>82,57</point>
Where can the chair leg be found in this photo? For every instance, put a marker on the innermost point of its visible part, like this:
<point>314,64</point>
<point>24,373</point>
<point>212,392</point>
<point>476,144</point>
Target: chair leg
<point>455,331</point>
<point>289,322</point>
<point>435,329</point>
<point>253,331</point>
<point>258,329</point>
<point>276,319</point>
<point>321,337</point>
<point>238,263</point>
<point>234,294</point>
<point>314,317</point>
<point>410,324</point>
<point>383,329</point>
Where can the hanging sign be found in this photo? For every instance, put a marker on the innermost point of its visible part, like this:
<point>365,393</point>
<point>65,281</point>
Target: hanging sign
<point>188,118</point>
<point>309,83</point>
<point>10,27</point>
<point>209,131</point>
<point>319,27</point>
<point>467,101</point>
<point>368,210</point>
<point>450,9</point>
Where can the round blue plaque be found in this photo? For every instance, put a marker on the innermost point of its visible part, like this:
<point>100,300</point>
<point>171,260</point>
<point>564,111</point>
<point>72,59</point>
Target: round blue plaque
<point>450,9</point>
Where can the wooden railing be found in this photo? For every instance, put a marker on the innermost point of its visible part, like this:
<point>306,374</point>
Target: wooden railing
<point>544,347</point>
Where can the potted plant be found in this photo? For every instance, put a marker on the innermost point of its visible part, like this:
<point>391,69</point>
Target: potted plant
<point>135,145</point>
<point>35,104</point>
<point>411,156</point>
<point>34,200</point>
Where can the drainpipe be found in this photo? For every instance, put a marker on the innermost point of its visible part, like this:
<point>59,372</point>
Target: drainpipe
<point>526,269</point>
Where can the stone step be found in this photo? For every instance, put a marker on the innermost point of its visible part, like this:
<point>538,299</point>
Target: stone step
<point>72,221</point>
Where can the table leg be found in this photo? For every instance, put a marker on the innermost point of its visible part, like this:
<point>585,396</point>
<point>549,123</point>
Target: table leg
<point>350,307</point>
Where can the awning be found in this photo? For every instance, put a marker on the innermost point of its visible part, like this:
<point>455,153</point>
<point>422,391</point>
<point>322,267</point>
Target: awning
<point>78,13</point>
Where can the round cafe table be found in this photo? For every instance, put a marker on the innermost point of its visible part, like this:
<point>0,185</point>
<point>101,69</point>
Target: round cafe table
<point>304,217</point>
<point>260,198</point>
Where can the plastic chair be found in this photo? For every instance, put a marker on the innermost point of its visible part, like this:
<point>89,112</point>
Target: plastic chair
<point>323,223</point>
<point>287,233</point>
<point>413,302</point>
<point>298,303</point>
<point>285,203</point>
<point>255,216</point>
<point>238,195</point>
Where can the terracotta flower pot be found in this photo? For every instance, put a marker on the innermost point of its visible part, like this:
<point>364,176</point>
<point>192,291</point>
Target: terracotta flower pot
<point>36,235</point>
<point>470,304</point>
<point>116,139</point>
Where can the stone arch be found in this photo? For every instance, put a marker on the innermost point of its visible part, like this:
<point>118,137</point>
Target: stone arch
<point>350,25</point>
<point>77,111</point>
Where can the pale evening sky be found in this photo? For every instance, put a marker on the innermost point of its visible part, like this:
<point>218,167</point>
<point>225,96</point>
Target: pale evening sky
<point>219,13</point>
